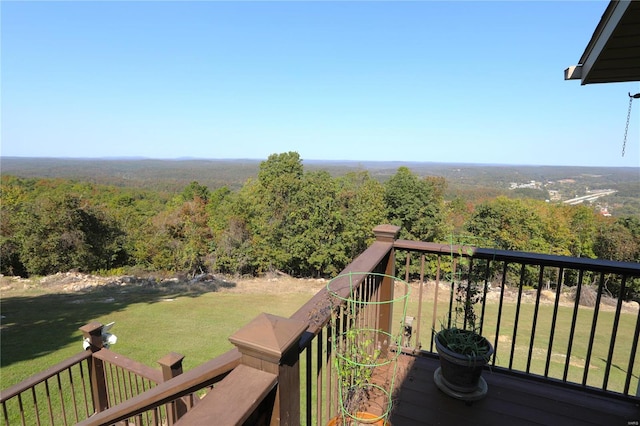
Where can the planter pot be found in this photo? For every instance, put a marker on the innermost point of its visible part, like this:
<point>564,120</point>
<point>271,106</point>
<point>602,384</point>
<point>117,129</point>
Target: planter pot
<point>364,419</point>
<point>460,375</point>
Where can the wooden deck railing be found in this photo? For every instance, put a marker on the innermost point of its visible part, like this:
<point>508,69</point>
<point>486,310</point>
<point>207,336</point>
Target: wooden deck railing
<point>86,383</point>
<point>283,369</point>
<point>59,395</point>
<point>289,358</point>
<point>204,376</point>
<point>319,387</point>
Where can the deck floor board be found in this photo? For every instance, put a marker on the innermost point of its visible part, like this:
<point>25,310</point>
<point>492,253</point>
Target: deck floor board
<point>511,400</point>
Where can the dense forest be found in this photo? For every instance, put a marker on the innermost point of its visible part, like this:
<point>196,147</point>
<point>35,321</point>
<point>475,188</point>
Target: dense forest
<point>472,182</point>
<point>289,217</point>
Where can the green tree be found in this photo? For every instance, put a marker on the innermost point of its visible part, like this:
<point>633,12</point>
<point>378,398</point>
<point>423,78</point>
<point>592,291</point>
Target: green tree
<point>457,212</point>
<point>60,233</point>
<point>558,233</point>
<point>583,224</point>
<point>361,200</point>
<point>315,239</point>
<point>195,191</point>
<point>415,204</point>
<point>13,195</point>
<point>614,241</point>
<point>632,224</point>
<point>179,238</point>
<point>229,222</point>
<point>510,224</point>
<point>270,200</point>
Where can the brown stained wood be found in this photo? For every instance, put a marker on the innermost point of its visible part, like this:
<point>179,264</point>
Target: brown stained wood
<point>270,343</point>
<point>317,311</point>
<point>233,400</point>
<point>201,376</point>
<point>286,409</point>
<point>268,337</point>
<point>511,401</point>
<point>171,365</point>
<point>92,332</point>
<point>44,375</point>
<point>128,364</point>
<point>386,233</point>
<point>385,310</point>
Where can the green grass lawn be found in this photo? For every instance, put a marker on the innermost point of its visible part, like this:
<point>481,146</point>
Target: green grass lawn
<point>41,328</point>
<point>577,360</point>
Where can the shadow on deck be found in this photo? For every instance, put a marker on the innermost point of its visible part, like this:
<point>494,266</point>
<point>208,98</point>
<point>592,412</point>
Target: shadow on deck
<point>511,401</point>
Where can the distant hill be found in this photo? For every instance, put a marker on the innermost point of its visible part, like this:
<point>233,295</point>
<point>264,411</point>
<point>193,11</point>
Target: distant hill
<point>170,175</point>
<point>174,175</point>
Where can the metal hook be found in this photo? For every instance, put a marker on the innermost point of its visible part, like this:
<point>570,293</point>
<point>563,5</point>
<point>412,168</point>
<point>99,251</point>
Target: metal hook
<point>626,129</point>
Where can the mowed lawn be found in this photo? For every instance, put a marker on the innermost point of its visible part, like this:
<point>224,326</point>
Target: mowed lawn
<point>564,336</point>
<point>40,328</point>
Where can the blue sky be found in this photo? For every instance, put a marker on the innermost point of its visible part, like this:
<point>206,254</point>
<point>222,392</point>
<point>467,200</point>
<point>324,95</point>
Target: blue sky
<point>470,82</point>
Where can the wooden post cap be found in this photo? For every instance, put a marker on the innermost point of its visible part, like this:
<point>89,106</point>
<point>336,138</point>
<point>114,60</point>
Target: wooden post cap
<point>91,329</point>
<point>386,233</point>
<point>268,337</point>
<point>171,359</point>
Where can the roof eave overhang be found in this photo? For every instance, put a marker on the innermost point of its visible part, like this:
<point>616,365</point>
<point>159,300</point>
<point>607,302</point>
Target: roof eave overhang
<point>607,25</point>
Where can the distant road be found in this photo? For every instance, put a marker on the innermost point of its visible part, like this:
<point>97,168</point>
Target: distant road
<point>590,197</point>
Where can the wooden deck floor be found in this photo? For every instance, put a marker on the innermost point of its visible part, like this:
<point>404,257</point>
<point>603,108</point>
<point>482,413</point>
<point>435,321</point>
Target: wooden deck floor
<point>510,401</point>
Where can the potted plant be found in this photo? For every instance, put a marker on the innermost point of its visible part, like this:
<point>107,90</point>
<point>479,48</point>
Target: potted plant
<point>462,349</point>
<point>365,368</point>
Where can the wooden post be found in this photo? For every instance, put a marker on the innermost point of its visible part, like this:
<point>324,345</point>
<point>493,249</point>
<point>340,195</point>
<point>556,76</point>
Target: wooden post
<point>386,234</point>
<point>93,332</point>
<point>171,365</point>
<point>270,343</point>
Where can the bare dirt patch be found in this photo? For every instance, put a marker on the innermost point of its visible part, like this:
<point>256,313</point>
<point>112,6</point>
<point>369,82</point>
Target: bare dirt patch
<point>276,283</point>
<point>75,282</point>
<point>547,297</point>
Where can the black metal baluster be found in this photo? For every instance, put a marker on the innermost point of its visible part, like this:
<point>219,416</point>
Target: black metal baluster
<point>517,316</point>
<point>535,318</point>
<point>614,332</point>
<point>574,318</point>
<point>553,320</point>
<point>504,281</point>
<point>632,358</point>
<point>592,335</point>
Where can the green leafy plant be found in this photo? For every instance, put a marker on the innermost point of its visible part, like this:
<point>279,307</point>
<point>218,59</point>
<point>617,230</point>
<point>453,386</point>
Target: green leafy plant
<point>464,342</point>
<point>355,360</point>
<point>462,332</point>
<point>364,364</point>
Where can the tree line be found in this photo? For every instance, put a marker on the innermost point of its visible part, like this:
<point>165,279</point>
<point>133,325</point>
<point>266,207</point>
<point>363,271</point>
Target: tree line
<point>304,223</point>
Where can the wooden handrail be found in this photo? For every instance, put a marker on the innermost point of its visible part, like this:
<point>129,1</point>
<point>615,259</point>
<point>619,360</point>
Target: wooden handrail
<point>243,389</point>
<point>44,375</point>
<point>317,311</point>
<point>130,365</point>
<point>193,380</point>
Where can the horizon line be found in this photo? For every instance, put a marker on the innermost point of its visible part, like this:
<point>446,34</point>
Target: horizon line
<point>190,158</point>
